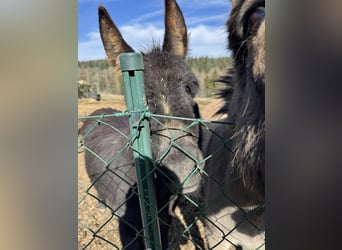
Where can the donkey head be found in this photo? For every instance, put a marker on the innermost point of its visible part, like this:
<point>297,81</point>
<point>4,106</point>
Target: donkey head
<point>170,87</point>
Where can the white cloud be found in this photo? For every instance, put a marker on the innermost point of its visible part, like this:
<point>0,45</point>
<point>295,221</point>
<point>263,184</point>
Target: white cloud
<point>204,4</point>
<point>208,41</point>
<point>141,37</point>
<point>147,16</point>
<point>92,48</point>
<point>204,41</point>
<point>200,20</point>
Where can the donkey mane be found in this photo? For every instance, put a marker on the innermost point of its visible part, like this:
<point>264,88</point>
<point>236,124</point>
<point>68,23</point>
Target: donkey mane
<point>244,103</point>
<point>244,97</point>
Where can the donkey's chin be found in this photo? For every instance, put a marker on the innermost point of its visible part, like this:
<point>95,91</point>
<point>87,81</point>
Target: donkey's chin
<point>190,181</point>
<point>189,187</point>
<point>182,165</point>
<point>191,178</point>
<point>186,177</point>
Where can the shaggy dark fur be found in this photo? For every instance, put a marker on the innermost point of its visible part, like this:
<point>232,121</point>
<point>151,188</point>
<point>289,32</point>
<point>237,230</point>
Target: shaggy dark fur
<point>246,100</point>
<point>234,190</point>
<point>170,87</point>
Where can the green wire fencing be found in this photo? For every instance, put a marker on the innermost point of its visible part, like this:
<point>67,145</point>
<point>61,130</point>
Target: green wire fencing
<point>148,209</point>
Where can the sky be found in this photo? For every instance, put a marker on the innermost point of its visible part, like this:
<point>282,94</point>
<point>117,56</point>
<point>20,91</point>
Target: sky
<point>142,24</point>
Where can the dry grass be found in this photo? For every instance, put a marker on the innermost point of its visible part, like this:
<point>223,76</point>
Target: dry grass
<point>91,217</point>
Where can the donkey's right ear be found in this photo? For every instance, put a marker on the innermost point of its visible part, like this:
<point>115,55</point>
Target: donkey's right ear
<point>112,40</point>
<point>176,35</point>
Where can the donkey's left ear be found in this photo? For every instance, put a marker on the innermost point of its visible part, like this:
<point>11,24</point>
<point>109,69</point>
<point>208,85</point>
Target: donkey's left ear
<point>176,34</point>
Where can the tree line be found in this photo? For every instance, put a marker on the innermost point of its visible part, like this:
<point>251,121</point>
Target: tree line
<point>207,70</point>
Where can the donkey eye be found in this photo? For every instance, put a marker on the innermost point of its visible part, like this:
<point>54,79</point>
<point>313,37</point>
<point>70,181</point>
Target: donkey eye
<point>254,20</point>
<point>188,89</point>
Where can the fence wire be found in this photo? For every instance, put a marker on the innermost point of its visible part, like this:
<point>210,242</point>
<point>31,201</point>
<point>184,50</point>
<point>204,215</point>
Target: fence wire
<point>98,222</point>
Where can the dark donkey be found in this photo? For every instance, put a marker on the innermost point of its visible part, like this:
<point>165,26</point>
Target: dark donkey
<point>233,191</point>
<point>170,88</point>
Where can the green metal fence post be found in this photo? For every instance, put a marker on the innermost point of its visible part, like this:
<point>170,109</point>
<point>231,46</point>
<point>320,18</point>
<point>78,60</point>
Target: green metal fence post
<point>132,68</point>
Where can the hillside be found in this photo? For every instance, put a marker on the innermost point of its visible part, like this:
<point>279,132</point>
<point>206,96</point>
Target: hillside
<point>206,69</point>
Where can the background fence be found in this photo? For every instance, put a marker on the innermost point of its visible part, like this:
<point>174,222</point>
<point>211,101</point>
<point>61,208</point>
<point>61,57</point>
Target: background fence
<point>99,221</point>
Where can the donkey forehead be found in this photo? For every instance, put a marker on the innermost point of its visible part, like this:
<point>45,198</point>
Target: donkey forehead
<point>168,70</point>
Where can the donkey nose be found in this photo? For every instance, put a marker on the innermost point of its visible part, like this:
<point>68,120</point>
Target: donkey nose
<point>191,181</point>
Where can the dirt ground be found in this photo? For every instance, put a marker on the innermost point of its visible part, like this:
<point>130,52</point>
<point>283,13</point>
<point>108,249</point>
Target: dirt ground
<point>97,228</point>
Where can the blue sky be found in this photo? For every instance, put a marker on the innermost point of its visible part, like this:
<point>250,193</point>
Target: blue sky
<point>142,23</point>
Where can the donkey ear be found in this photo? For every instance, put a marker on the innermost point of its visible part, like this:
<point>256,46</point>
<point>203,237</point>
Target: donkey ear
<point>176,36</point>
<point>234,3</point>
<point>111,37</point>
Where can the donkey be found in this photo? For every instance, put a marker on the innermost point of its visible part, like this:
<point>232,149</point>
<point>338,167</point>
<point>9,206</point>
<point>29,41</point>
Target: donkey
<point>170,88</point>
<point>233,189</point>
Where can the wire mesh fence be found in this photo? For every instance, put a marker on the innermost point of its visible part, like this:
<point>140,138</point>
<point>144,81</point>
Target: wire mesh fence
<point>134,197</point>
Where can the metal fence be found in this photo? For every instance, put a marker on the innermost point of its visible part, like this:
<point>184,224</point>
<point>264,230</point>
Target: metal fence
<point>98,222</point>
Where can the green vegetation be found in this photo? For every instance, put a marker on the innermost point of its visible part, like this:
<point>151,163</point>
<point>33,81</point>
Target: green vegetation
<point>207,71</point>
